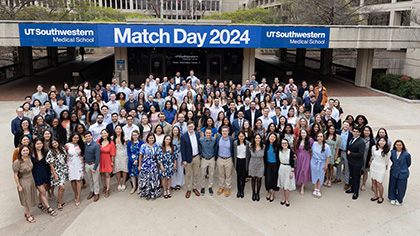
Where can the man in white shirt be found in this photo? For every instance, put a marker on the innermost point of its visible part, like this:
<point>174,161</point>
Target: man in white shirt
<point>215,109</point>
<point>190,152</point>
<point>335,113</point>
<point>266,120</point>
<point>107,116</point>
<point>150,87</point>
<point>178,93</point>
<point>96,128</point>
<point>114,85</point>
<point>129,128</point>
<point>181,124</point>
<point>113,105</point>
<point>285,108</point>
<point>60,107</point>
<point>178,78</point>
<point>124,89</point>
<point>272,109</point>
<point>193,78</point>
<point>40,95</point>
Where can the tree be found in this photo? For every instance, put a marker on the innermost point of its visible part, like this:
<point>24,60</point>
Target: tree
<point>322,12</point>
<point>249,16</point>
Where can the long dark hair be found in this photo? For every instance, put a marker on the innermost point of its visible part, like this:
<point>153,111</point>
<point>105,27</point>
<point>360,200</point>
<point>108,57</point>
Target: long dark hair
<point>243,133</point>
<point>283,133</point>
<point>80,143</point>
<point>35,153</point>
<point>254,144</point>
<point>385,149</point>
<point>403,145</point>
<point>334,134</point>
<point>60,148</point>
<point>377,134</point>
<point>108,138</point>
<point>281,146</point>
<point>170,144</point>
<point>114,135</point>
<point>370,130</point>
<point>307,145</point>
<point>131,138</point>
<point>275,144</point>
<point>20,152</point>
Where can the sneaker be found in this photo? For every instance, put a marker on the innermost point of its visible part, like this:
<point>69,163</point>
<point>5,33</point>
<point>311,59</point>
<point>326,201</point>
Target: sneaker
<point>211,191</point>
<point>202,191</point>
<point>123,187</point>
<point>119,188</point>
<point>397,203</point>
<point>393,202</point>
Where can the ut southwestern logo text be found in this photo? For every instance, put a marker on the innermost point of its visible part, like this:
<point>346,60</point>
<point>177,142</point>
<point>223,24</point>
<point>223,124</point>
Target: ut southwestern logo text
<point>181,37</point>
<point>298,37</point>
<point>63,35</point>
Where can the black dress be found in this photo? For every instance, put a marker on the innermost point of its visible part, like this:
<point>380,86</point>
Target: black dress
<point>41,171</point>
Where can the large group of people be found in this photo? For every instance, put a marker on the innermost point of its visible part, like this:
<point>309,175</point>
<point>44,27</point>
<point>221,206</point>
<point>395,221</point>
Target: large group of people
<point>175,132</point>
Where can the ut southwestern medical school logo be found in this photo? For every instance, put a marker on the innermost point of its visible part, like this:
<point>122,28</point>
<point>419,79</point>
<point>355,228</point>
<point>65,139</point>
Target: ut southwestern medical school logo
<point>60,35</point>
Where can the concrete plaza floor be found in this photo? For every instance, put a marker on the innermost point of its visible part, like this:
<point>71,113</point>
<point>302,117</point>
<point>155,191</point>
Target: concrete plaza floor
<point>334,214</point>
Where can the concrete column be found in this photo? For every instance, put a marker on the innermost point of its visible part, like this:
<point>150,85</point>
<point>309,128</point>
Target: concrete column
<point>283,54</point>
<point>120,54</point>
<point>326,61</point>
<point>71,53</point>
<point>300,57</point>
<point>248,64</point>
<point>52,53</point>
<point>364,67</point>
<point>395,18</point>
<point>25,57</point>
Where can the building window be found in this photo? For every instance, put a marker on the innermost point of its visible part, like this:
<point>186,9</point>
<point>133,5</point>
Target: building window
<point>378,18</point>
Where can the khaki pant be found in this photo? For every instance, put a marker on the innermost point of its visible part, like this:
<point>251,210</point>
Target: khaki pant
<point>225,166</point>
<point>92,178</point>
<point>210,164</point>
<point>193,169</point>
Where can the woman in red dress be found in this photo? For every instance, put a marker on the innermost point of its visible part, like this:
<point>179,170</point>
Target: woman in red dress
<point>106,161</point>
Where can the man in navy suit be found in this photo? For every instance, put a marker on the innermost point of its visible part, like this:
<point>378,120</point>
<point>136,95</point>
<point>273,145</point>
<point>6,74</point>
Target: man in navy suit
<point>149,103</point>
<point>69,100</point>
<point>178,78</point>
<point>276,118</point>
<point>355,152</point>
<point>190,152</point>
<point>238,122</point>
<point>111,126</point>
<point>107,92</point>
<point>252,114</point>
<point>399,173</point>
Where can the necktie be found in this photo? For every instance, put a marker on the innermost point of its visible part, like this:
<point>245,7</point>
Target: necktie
<point>352,141</point>
<point>240,123</point>
<point>180,128</point>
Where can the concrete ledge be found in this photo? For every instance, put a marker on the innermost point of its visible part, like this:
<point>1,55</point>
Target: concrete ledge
<point>396,96</point>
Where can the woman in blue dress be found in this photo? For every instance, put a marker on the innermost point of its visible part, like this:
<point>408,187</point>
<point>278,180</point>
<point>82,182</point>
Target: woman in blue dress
<point>148,176</point>
<point>167,156</point>
<point>133,150</point>
<point>321,154</point>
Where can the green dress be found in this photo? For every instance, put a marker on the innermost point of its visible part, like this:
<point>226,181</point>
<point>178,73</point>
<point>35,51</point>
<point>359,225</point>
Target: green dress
<point>333,146</point>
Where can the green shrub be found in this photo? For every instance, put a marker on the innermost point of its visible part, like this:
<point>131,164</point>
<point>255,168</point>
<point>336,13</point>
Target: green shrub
<point>400,85</point>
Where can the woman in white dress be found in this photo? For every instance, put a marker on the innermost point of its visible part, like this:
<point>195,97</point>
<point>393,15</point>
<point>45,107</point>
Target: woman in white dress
<point>75,149</point>
<point>121,158</point>
<point>286,180</point>
<point>378,167</point>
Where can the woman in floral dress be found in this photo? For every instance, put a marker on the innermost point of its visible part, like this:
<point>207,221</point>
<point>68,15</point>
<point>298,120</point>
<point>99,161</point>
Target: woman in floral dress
<point>75,149</point>
<point>148,175</point>
<point>167,156</point>
<point>133,150</point>
<point>56,157</point>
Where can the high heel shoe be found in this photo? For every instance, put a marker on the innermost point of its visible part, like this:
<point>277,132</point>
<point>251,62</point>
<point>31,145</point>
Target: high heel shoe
<point>257,197</point>
<point>253,197</point>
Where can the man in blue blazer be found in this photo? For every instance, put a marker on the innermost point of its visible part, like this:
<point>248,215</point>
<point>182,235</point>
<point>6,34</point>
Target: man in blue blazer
<point>399,173</point>
<point>238,122</point>
<point>190,152</point>
<point>150,103</point>
<point>107,92</point>
<point>224,162</point>
<point>276,118</point>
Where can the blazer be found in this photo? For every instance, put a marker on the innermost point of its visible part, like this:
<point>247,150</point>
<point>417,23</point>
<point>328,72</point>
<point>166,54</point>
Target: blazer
<point>231,139</point>
<point>110,128</point>
<point>128,105</point>
<point>147,106</point>
<point>106,93</point>
<point>274,118</point>
<point>186,148</point>
<point>167,128</point>
<point>236,127</point>
<point>248,116</point>
<point>357,151</point>
<point>399,167</point>
<point>235,153</point>
<point>228,113</point>
<point>72,102</point>
<point>317,108</point>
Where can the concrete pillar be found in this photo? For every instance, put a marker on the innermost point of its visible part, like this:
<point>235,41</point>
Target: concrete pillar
<point>395,18</point>
<point>300,57</point>
<point>121,66</point>
<point>283,54</point>
<point>248,64</point>
<point>364,67</point>
<point>52,53</point>
<point>71,53</point>
<point>25,57</point>
<point>326,61</point>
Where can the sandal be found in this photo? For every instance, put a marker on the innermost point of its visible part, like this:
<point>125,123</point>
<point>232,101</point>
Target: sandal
<point>62,205</point>
<point>51,211</point>
<point>42,207</point>
<point>30,218</point>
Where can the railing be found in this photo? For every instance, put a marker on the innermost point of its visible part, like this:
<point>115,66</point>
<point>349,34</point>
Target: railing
<point>10,72</point>
<point>343,71</point>
<point>40,63</point>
